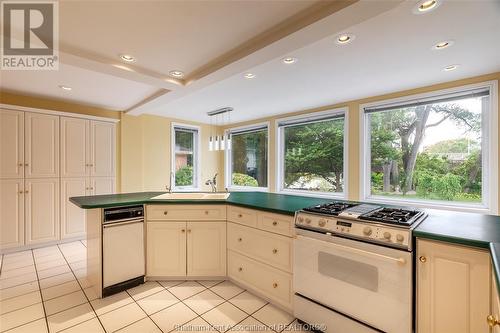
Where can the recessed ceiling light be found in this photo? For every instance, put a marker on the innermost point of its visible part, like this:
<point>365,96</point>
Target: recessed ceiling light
<point>442,45</point>
<point>425,6</point>
<point>344,39</point>
<point>176,73</point>
<point>127,58</point>
<point>249,75</point>
<point>289,60</point>
<point>65,87</point>
<point>450,68</point>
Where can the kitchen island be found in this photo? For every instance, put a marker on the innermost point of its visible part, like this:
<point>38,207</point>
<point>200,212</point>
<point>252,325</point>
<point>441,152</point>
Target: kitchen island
<point>470,229</point>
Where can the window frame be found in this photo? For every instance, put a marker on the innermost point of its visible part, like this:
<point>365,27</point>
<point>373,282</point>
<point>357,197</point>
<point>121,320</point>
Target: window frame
<point>228,158</point>
<point>489,144</point>
<point>196,158</point>
<point>280,152</point>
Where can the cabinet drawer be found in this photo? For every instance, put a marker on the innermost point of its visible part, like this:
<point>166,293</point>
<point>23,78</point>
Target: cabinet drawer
<point>278,223</point>
<point>186,212</point>
<point>272,249</point>
<point>242,215</point>
<point>271,282</point>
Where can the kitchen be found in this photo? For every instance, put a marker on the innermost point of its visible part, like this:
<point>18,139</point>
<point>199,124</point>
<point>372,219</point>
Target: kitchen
<point>310,168</point>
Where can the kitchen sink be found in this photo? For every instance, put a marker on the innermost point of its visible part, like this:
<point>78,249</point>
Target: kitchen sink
<point>191,196</point>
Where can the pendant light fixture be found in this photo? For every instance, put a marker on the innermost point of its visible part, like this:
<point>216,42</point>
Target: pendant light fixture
<point>219,142</point>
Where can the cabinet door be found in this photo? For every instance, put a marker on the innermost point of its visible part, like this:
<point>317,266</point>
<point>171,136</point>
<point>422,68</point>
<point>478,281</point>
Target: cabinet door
<point>102,149</point>
<point>72,217</point>
<point>11,144</point>
<point>206,248</point>
<point>74,147</point>
<point>453,288</point>
<point>166,249</point>
<point>42,210</point>
<point>42,145</point>
<point>102,185</point>
<point>495,305</point>
<point>11,213</point>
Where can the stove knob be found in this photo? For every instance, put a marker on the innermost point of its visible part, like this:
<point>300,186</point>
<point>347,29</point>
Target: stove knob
<point>322,222</point>
<point>308,220</point>
<point>399,238</point>
<point>367,231</point>
<point>387,235</point>
<point>300,219</point>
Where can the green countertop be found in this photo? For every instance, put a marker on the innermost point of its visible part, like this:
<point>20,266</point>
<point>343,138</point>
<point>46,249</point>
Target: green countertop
<point>278,203</point>
<point>470,229</point>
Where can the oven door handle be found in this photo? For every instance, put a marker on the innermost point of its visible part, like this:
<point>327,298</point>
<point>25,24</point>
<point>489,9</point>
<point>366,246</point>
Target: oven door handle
<point>399,261</point>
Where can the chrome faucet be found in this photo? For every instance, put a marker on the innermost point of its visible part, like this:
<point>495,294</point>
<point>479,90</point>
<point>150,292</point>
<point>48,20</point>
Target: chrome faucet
<point>213,183</point>
<point>169,186</point>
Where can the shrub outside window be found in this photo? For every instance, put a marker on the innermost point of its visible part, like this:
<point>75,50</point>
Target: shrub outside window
<point>185,159</point>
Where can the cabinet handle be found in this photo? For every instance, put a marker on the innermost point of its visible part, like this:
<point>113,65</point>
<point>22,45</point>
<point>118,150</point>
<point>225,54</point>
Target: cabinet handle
<point>91,188</point>
<point>20,164</point>
<point>275,285</point>
<point>206,212</point>
<point>189,230</point>
<point>239,215</point>
<point>26,164</point>
<point>183,230</point>
<point>26,192</point>
<point>275,223</point>
<point>275,251</point>
<point>240,269</point>
<point>422,259</point>
<point>165,212</point>
<point>240,239</point>
<point>21,192</point>
<point>492,321</point>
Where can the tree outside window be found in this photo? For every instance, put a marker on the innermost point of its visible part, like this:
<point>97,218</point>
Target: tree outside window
<point>430,152</point>
<point>314,156</point>
<point>184,150</point>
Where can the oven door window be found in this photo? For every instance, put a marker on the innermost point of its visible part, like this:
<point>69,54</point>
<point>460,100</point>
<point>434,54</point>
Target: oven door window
<point>353,272</point>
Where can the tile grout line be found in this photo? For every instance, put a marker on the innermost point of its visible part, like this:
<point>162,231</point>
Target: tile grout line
<point>40,290</point>
<point>84,294</point>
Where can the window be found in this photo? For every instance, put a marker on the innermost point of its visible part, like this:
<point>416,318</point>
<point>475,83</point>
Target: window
<point>435,149</point>
<point>246,160</point>
<point>185,157</point>
<point>311,153</point>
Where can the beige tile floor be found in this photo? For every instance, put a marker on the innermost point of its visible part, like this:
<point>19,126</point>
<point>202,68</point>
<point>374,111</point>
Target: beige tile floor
<point>45,290</point>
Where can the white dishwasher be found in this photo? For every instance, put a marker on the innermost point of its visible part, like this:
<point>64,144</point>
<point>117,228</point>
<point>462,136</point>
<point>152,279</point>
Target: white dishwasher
<point>123,261</point>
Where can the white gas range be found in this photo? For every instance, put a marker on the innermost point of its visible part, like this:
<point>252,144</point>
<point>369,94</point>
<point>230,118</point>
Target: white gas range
<point>353,267</point>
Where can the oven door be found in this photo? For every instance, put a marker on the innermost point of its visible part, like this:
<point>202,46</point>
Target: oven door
<point>370,283</point>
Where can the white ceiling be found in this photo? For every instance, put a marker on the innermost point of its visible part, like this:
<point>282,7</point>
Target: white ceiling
<point>391,52</point>
<point>88,87</point>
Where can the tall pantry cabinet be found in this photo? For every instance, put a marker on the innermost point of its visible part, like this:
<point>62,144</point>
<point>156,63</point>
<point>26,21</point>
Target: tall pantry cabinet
<point>87,167</point>
<point>44,160</point>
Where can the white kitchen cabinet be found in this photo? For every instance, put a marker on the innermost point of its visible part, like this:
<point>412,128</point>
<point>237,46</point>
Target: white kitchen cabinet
<point>75,152</point>
<point>453,288</point>
<point>73,217</point>
<point>102,185</point>
<point>166,249</point>
<point>494,318</point>
<point>102,149</point>
<point>11,213</point>
<point>206,248</point>
<point>41,145</point>
<point>42,210</point>
<point>11,144</point>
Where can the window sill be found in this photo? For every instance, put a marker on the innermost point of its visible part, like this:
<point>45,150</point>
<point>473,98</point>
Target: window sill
<point>247,189</point>
<point>457,206</point>
<point>327,195</point>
